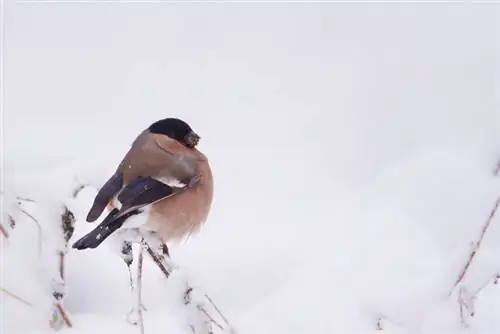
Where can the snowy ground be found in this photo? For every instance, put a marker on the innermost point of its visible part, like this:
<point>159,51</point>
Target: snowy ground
<point>353,148</point>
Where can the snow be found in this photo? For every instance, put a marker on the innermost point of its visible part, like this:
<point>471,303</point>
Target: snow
<point>352,145</point>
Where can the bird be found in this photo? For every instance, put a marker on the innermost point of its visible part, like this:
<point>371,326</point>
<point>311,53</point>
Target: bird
<point>161,191</point>
<point>162,188</point>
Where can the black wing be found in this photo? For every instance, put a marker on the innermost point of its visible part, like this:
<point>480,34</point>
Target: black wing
<point>137,194</point>
<point>143,191</point>
<point>108,190</point>
<point>109,225</point>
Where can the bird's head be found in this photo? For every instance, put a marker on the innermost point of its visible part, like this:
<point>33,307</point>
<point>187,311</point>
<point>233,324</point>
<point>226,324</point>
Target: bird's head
<point>176,129</point>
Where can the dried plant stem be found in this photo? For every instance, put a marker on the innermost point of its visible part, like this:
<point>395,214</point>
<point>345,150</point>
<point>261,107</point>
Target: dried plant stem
<point>25,199</point>
<point>67,227</point>
<point>64,315</point>
<point>78,189</point>
<point>167,271</point>
<point>39,228</point>
<point>140,261</point>
<point>217,309</point>
<point>466,306</point>
<point>202,310</point>
<point>494,279</point>
<point>156,260</point>
<point>476,246</point>
<point>378,323</point>
<point>7,292</point>
<point>4,232</point>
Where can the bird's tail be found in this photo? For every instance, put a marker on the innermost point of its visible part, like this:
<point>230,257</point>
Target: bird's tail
<point>109,225</point>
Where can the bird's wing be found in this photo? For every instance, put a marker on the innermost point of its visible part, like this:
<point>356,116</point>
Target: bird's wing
<point>140,192</point>
<point>158,156</point>
<point>95,237</point>
<point>182,167</point>
<point>161,158</point>
<point>143,191</point>
<point>108,190</point>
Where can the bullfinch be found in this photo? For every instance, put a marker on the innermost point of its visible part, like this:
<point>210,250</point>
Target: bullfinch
<point>163,185</point>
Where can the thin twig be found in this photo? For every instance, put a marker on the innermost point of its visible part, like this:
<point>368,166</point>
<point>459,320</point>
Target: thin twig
<point>157,261</point>
<point>201,309</point>
<point>7,292</point>
<point>64,315</point>
<point>78,190</point>
<point>493,279</point>
<point>25,199</point>
<point>477,245</point>
<point>465,303</point>
<point>378,323</point>
<point>140,260</point>
<point>39,227</point>
<point>217,309</point>
<point>3,231</point>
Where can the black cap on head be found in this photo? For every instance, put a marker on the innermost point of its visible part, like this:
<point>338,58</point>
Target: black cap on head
<point>176,129</point>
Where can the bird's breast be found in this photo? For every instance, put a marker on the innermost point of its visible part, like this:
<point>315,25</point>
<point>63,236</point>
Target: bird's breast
<point>183,214</point>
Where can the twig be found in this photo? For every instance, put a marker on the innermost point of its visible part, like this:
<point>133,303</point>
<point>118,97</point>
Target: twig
<point>167,273</point>
<point>140,260</point>
<point>25,199</point>
<point>38,227</point>
<point>3,231</point>
<point>7,292</point>
<point>12,222</point>
<point>378,323</point>
<point>465,303</point>
<point>201,309</point>
<point>494,279</point>
<point>78,189</point>
<point>64,315</point>
<point>476,245</point>
<point>157,260</point>
<point>217,309</point>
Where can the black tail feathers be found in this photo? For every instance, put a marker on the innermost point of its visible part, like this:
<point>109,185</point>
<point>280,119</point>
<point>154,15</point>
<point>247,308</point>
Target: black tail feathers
<point>109,225</point>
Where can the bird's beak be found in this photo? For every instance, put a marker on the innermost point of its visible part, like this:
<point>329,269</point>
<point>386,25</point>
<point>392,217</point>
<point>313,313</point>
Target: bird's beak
<point>192,139</point>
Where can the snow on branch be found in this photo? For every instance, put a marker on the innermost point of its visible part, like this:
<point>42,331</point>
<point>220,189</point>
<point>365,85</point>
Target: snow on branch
<point>467,298</point>
<point>47,228</point>
<point>19,216</point>
<point>477,244</point>
<point>201,309</point>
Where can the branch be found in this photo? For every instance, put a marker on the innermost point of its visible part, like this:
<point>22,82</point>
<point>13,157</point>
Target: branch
<point>39,227</point>
<point>25,199</point>
<point>7,292</point>
<point>79,189</point>
<point>476,246</point>
<point>494,279</point>
<point>167,268</point>
<point>139,290</point>
<point>4,232</point>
